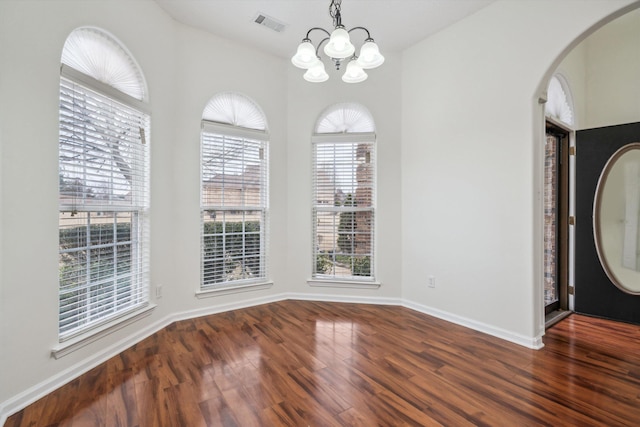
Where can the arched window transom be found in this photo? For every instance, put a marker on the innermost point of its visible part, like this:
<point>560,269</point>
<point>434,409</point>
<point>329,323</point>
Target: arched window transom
<point>99,55</point>
<point>345,118</point>
<point>559,103</point>
<point>236,110</point>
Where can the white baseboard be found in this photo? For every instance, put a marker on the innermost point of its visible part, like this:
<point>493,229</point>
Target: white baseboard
<point>41,389</point>
<point>525,341</point>
<point>207,311</point>
<point>345,299</point>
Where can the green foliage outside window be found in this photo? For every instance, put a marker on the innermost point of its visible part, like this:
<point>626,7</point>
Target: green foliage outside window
<point>94,267</point>
<point>231,251</point>
<point>358,265</point>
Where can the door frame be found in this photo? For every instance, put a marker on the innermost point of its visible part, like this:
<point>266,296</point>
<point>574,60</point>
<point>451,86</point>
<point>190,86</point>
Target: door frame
<point>565,198</point>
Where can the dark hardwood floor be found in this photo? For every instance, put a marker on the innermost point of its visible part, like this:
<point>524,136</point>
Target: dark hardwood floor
<point>298,363</point>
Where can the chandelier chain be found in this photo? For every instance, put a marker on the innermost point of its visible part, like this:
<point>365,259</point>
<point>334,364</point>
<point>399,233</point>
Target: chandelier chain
<point>334,12</point>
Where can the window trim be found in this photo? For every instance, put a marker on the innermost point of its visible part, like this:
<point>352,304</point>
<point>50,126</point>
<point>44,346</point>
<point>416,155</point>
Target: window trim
<point>343,138</point>
<point>82,79</point>
<point>233,289</point>
<point>342,283</point>
<point>99,331</point>
<point>234,131</point>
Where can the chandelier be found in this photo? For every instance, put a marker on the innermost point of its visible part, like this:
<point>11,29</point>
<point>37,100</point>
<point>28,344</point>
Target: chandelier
<point>339,49</point>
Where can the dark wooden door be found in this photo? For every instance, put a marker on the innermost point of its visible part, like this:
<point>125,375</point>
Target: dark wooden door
<point>594,292</point>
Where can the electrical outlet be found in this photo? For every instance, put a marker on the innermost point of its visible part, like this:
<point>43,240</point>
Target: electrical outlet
<point>431,282</point>
<point>159,291</point>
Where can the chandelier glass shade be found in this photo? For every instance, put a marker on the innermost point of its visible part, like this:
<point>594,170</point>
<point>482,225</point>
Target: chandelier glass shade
<point>354,73</point>
<point>338,48</point>
<point>339,45</point>
<point>305,56</point>
<point>370,56</point>
<point>316,73</point>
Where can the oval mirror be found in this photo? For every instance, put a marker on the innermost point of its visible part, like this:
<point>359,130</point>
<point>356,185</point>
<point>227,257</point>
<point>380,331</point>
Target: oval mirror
<point>616,218</point>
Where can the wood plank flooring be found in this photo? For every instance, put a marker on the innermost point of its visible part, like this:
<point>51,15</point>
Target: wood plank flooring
<point>300,363</point>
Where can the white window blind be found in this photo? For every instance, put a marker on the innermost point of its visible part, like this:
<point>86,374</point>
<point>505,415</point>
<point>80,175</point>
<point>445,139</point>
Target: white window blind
<point>233,206</point>
<point>343,211</point>
<point>104,200</point>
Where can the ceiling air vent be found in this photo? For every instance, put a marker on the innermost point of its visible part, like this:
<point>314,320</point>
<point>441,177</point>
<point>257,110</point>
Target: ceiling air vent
<point>270,22</point>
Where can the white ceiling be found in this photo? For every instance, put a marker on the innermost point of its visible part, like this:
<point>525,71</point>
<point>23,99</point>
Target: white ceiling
<point>394,24</point>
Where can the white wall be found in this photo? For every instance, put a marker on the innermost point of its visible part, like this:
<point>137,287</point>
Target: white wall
<point>604,74</point>
<point>471,167</point>
<point>613,73</point>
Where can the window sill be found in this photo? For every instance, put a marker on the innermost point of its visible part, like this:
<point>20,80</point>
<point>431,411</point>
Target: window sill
<point>233,289</point>
<point>75,343</point>
<point>354,284</point>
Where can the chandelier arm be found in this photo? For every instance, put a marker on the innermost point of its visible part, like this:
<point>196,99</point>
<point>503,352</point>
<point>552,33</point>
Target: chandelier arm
<point>316,28</point>
<point>362,28</point>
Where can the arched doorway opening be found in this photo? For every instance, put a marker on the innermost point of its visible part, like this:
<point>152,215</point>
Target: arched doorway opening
<point>603,68</point>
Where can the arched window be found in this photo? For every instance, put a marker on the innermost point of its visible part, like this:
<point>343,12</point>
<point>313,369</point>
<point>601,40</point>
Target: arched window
<point>234,192</point>
<point>344,176</point>
<point>103,183</point>
<point>559,102</point>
